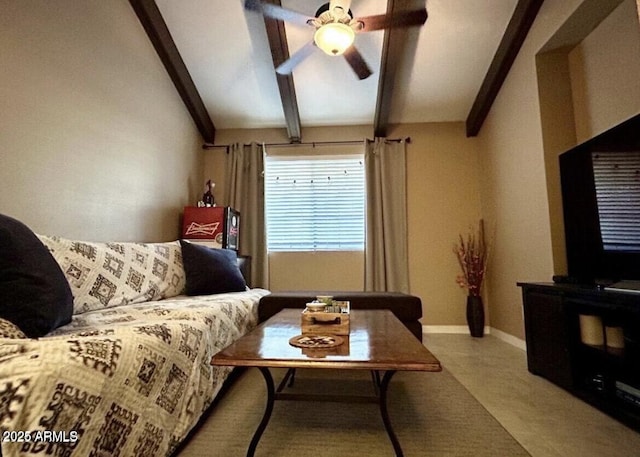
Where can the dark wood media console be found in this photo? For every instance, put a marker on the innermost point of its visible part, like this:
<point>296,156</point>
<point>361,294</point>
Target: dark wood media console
<point>605,375</point>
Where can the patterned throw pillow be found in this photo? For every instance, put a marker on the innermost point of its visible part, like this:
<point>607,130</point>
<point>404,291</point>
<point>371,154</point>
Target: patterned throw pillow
<point>10,330</point>
<point>105,275</point>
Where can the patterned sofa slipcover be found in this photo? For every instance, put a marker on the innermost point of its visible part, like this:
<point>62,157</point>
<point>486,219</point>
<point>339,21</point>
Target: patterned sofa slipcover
<point>130,375</point>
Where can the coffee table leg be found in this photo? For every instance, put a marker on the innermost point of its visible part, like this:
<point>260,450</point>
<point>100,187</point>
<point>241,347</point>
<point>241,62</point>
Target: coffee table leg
<point>267,411</point>
<point>384,385</point>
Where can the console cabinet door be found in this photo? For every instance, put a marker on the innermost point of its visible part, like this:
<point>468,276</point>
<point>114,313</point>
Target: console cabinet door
<point>547,337</point>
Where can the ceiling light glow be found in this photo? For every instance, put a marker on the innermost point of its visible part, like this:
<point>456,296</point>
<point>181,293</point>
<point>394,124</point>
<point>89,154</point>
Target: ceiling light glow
<point>334,38</point>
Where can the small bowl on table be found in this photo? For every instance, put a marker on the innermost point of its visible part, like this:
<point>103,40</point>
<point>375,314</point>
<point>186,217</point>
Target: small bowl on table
<point>326,299</point>
<point>315,307</point>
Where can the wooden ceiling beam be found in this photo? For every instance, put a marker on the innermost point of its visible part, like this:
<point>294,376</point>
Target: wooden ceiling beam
<point>514,35</point>
<point>394,45</point>
<point>153,23</point>
<point>280,53</point>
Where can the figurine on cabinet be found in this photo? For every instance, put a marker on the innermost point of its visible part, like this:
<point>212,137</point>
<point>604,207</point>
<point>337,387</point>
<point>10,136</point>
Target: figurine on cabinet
<point>207,197</point>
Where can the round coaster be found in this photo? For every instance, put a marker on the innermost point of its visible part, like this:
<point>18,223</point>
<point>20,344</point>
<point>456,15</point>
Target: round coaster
<point>316,341</point>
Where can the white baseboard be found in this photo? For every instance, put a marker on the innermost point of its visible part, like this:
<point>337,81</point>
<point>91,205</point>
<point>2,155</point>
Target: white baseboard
<point>449,329</point>
<point>508,338</point>
<point>463,329</point>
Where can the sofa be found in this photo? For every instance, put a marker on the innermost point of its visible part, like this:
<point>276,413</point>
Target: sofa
<point>105,348</point>
<point>407,308</point>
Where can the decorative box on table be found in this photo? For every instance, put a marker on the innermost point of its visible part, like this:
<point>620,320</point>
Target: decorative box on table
<point>334,323</point>
<point>216,227</point>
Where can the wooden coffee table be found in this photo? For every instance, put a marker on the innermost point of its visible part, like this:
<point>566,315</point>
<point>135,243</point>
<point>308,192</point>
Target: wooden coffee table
<point>377,342</point>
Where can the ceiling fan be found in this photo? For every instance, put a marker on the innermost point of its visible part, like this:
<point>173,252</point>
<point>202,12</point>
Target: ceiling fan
<point>335,30</point>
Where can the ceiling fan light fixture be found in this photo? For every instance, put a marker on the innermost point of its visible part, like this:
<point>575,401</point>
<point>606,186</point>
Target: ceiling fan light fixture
<point>334,38</point>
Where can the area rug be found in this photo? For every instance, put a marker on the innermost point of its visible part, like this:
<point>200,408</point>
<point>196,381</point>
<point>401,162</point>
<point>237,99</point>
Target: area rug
<point>432,415</point>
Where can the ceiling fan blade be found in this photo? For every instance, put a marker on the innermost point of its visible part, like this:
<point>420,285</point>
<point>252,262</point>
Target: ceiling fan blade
<point>398,19</point>
<point>357,63</point>
<point>277,12</point>
<point>286,67</point>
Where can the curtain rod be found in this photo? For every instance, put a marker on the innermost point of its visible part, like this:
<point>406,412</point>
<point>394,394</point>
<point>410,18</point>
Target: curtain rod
<point>310,143</point>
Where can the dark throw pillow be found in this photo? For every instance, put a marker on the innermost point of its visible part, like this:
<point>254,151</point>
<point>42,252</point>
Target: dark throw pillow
<point>211,271</point>
<point>34,293</point>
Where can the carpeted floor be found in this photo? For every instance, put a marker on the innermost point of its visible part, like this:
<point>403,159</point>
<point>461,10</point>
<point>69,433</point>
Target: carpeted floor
<point>432,414</point>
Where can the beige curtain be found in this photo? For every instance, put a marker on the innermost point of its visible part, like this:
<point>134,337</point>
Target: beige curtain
<point>386,262</point>
<point>245,192</point>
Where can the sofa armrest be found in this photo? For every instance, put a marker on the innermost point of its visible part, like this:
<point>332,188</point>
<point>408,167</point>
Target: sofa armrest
<point>244,263</point>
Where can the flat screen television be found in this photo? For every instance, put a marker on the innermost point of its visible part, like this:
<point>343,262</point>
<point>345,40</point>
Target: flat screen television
<point>601,204</point>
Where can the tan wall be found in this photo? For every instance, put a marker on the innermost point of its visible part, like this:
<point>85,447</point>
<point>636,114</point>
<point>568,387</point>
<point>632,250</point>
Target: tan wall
<point>95,142</point>
<point>558,135</point>
<point>605,72</point>
<point>316,270</point>
<point>443,200</point>
<point>519,187</point>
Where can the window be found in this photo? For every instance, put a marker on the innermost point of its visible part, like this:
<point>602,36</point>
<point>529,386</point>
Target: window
<point>314,202</point>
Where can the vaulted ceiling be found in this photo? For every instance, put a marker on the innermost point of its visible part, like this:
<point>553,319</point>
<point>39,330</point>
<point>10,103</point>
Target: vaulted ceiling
<point>221,58</point>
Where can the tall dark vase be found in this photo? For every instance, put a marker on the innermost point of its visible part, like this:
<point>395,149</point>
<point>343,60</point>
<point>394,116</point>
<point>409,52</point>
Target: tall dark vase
<point>475,315</point>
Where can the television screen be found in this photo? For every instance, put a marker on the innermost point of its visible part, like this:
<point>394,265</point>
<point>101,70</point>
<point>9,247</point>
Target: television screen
<point>601,205</point>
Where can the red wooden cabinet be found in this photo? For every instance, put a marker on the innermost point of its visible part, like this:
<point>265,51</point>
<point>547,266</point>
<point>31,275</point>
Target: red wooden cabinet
<point>217,226</point>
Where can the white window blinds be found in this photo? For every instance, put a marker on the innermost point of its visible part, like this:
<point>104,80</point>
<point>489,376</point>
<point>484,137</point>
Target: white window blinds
<point>617,181</point>
<point>315,202</point>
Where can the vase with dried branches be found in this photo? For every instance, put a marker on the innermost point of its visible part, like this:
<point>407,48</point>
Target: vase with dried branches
<point>472,254</point>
